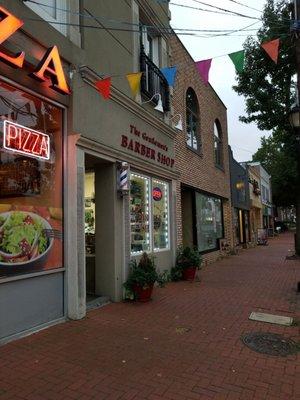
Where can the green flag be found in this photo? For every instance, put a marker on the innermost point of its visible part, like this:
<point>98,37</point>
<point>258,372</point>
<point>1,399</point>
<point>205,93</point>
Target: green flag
<point>238,59</point>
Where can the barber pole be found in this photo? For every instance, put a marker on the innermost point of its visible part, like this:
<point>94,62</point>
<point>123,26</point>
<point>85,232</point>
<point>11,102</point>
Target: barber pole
<point>123,178</point>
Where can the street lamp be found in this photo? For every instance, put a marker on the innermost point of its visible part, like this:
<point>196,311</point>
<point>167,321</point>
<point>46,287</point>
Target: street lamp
<point>294,117</point>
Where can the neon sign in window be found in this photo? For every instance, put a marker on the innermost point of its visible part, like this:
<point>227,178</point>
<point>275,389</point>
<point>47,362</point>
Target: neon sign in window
<point>19,139</point>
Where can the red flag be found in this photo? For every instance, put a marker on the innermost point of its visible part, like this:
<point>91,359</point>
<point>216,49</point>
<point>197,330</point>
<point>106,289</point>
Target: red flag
<point>103,87</point>
<point>272,49</point>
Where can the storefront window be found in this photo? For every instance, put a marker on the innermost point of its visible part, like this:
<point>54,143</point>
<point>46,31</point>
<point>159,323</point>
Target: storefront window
<point>149,230</point>
<point>139,213</point>
<point>209,222</point>
<point>31,183</point>
<point>160,214</point>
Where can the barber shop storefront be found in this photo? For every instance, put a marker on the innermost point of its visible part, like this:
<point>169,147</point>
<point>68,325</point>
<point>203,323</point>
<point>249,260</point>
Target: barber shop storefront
<point>130,188</point>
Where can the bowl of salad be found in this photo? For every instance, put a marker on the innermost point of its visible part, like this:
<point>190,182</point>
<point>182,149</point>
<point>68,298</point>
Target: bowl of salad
<point>24,244</point>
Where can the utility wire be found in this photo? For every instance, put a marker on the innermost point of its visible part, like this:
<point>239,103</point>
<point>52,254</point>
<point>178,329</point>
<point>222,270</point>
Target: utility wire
<point>227,34</point>
<point>215,12</point>
<point>244,5</point>
<point>137,25</point>
<point>128,23</point>
<point>221,9</point>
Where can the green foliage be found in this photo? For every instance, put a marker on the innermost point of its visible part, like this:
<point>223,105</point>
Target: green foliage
<point>176,273</point>
<point>264,84</point>
<point>163,278</point>
<point>188,257</point>
<point>142,274</point>
<point>277,157</point>
<point>267,87</point>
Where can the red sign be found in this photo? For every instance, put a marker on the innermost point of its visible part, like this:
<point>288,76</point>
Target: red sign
<point>26,141</point>
<point>157,194</point>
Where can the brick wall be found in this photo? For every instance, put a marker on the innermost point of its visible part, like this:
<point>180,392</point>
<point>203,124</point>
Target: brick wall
<point>198,170</point>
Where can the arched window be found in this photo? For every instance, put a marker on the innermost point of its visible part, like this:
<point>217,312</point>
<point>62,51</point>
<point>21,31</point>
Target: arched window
<point>218,146</point>
<point>192,120</point>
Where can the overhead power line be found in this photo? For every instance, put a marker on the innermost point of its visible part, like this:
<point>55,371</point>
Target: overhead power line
<point>120,25</point>
<point>221,9</point>
<point>227,12</point>
<point>244,5</point>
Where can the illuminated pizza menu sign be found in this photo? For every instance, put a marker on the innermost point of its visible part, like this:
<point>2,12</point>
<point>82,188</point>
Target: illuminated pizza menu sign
<point>19,139</point>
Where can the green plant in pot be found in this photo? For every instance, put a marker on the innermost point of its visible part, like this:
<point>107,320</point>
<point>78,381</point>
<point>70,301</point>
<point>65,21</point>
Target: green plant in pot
<point>188,260</point>
<point>141,279</point>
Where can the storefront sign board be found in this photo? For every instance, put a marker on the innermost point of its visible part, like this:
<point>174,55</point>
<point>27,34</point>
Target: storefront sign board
<point>50,67</point>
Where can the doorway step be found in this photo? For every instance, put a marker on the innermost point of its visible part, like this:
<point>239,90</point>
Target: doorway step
<point>93,302</point>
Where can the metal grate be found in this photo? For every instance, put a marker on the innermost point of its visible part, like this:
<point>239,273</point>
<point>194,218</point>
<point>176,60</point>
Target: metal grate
<point>270,343</point>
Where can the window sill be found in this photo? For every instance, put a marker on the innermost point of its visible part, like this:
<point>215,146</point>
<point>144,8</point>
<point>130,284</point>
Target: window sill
<point>220,167</point>
<point>198,152</point>
<point>31,275</point>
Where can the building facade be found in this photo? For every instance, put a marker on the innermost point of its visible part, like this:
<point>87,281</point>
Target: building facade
<point>266,198</point>
<point>203,190</point>
<point>240,200</point>
<point>74,231</point>
<point>256,222</point>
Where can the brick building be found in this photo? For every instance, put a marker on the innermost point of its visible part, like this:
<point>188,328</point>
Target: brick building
<point>201,150</point>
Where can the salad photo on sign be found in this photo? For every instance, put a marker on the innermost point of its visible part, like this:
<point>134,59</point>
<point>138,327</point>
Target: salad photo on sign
<point>29,241</point>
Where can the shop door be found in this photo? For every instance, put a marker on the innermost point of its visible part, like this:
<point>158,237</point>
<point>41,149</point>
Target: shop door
<point>90,228</point>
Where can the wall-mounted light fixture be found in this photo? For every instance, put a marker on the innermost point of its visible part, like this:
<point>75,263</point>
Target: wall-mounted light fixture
<point>179,123</point>
<point>159,106</point>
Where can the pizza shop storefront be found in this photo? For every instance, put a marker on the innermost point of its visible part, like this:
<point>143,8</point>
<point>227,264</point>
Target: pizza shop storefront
<point>32,147</point>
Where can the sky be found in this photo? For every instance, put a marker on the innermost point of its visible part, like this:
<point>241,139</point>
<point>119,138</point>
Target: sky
<point>243,138</point>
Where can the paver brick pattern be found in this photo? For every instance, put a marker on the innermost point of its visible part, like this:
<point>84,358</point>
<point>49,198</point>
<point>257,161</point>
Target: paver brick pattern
<point>183,345</point>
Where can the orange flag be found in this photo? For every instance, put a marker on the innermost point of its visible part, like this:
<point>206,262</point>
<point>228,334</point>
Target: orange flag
<point>272,49</point>
<point>103,87</point>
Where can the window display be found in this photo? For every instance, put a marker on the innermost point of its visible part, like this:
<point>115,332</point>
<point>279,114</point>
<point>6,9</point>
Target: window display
<point>209,222</point>
<point>149,230</point>
<point>31,182</point>
<point>160,214</point>
<point>139,213</point>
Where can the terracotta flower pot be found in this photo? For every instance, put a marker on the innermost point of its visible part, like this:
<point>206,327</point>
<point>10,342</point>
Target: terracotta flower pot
<point>188,274</point>
<point>143,294</point>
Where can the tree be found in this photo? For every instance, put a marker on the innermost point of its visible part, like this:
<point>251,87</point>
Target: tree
<point>265,85</point>
<point>275,157</point>
<point>267,89</point>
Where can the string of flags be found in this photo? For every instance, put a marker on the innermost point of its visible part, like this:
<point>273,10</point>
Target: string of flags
<point>203,67</point>
<point>238,59</point>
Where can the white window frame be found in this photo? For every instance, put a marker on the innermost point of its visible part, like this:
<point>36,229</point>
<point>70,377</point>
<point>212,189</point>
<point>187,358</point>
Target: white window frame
<point>61,16</point>
<point>150,204</point>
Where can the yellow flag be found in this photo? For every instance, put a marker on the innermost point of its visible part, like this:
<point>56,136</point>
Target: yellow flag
<point>134,81</point>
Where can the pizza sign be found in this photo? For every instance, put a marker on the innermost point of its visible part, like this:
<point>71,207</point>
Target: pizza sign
<point>157,194</point>
<point>19,139</point>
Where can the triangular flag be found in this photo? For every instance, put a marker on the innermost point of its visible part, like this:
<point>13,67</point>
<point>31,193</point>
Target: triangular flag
<point>238,59</point>
<point>103,87</point>
<point>272,49</point>
<point>170,74</point>
<point>134,81</point>
<point>203,68</point>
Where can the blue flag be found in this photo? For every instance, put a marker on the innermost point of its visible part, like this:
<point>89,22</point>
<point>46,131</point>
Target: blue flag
<point>170,74</point>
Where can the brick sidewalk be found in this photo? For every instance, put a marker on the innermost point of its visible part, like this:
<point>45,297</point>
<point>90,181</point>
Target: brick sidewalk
<point>141,351</point>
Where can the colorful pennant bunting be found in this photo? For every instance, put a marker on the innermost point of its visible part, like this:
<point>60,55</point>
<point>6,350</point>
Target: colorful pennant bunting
<point>272,49</point>
<point>170,74</point>
<point>134,81</point>
<point>203,68</point>
<point>104,86</point>
<point>238,59</point>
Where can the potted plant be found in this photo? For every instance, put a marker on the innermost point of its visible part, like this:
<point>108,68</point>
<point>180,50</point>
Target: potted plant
<point>141,279</point>
<point>188,260</point>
